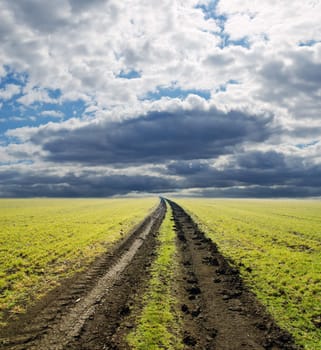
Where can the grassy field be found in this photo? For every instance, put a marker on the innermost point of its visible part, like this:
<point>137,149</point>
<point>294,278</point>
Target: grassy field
<point>277,247</point>
<point>43,240</point>
<point>158,326</point>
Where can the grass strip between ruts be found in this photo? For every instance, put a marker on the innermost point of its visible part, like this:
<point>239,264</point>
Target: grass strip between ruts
<point>159,324</point>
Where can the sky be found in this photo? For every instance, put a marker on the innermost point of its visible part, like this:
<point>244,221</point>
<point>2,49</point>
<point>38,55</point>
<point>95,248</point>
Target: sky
<point>206,98</point>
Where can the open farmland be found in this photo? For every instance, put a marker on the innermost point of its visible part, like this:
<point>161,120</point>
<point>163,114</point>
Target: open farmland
<point>165,286</point>
<point>277,247</point>
<point>44,240</point>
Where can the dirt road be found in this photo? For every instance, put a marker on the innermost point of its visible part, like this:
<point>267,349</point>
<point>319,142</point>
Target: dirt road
<point>94,310</point>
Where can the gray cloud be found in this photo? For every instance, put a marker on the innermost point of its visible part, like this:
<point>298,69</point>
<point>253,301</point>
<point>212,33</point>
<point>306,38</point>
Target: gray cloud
<point>187,168</point>
<point>259,192</point>
<point>247,174</point>
<point>83,5</point>
<point>39,15</point>
<point>261,160</point>
<point>220,60</point>
<point>186,143</point>
<point>262,169</point>
<point>155,138</point>
<point>91,184</point>
<point>294,86</point>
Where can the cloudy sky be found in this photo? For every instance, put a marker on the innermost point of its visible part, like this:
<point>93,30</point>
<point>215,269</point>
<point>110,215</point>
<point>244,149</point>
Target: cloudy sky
<point>210,98</point>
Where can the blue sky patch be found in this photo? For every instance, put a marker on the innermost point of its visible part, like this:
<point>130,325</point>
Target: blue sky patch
<point>210,11</point>
<point>129,75</point>
<point>15,115</point>
<point>55,94</point>
<point>309,42</point>
<point>226,41</point>
<point>306,145</point>
<point>13,77</point>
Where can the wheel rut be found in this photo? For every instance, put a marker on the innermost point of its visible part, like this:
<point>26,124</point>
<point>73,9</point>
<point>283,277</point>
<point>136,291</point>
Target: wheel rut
<point>218,311</point>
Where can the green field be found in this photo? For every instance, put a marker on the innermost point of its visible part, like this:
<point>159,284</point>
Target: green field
<point>277,247</point>
<point>43,240</point>
<point>276,244</point>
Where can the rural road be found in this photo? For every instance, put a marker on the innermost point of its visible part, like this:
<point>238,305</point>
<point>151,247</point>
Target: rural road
<point>93,309</point>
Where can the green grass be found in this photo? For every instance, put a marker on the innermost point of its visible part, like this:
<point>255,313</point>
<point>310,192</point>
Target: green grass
<point>43,240</point>
<point>277,246</point>
<point>158,326</point>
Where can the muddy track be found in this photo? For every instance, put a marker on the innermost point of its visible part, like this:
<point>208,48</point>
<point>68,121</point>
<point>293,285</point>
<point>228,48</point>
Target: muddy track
<point>86,310</point>
<point>98,307</point>
<point>218,312</point>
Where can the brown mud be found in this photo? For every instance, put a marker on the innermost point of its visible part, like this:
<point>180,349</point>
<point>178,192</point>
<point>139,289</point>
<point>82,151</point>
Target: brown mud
<point>98,307</point>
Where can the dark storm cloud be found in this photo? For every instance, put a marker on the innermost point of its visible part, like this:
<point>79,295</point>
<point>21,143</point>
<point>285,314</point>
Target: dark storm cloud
<point>262,169</point>
<point>187,167</point>
<point>185,143</point>
<point>40,184</point>
<point>251,174</point>
<point>261,160</point>
<point>154,138</point>
<point>261,192</point>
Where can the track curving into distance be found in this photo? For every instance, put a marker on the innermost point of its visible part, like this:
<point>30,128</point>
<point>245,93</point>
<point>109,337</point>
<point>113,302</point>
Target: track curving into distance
<point>98,307</point>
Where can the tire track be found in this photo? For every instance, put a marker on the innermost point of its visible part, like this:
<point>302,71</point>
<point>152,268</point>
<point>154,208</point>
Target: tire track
<point>218,311</point>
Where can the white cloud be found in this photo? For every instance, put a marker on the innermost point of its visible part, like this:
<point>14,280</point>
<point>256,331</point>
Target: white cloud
<point>54,114</point>
<point>9,91</point>
<point>282,21</point>
<point>81,48</point>
<point>32,95</point>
